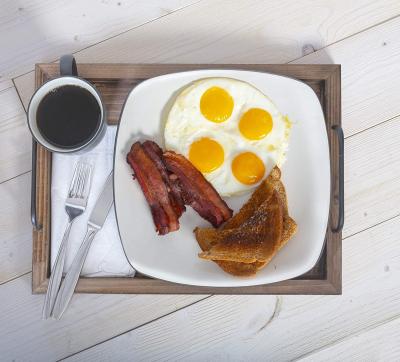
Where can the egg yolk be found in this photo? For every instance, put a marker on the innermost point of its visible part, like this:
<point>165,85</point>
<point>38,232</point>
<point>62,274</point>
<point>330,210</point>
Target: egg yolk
<point>216,104</point>
<point>206,155</point>
<point>255,124</point>
<point>248,168</point>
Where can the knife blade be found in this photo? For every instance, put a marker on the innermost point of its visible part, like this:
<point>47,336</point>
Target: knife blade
<point>103,204</point>
<point>96,220</point>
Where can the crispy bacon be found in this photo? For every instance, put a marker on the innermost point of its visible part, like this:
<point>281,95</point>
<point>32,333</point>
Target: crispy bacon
<point>154,188</point>
<point>197,191</point>
<point>169,182</point>
<point>175,195</point>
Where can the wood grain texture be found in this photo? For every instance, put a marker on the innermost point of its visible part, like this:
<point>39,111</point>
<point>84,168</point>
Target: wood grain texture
<point>379,343</point>
<point>249,31</point>
<point>25,85</point>
<point>15,139</point>
<point>369,61</point>
<point>114,82</point>
<point>41,31</point>
<point>15,228</point>
<point>355,326</point>
<point>90,319</point>
<point>372,174</point>
<point>279,328</point>
<point>5,84</point>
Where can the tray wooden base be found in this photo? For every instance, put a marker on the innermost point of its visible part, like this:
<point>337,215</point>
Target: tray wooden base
<point>114,81</point>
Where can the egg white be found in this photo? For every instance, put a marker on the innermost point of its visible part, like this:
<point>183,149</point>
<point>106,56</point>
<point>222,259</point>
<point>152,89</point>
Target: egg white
<point>186,124</point>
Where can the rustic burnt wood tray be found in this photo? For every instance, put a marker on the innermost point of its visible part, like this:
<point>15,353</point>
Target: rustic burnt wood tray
<point>114,81</point>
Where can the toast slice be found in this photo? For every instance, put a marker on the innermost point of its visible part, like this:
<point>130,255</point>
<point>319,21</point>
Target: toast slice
<point>255,240</point>
<point>262,193</point>
<point>208,237</point>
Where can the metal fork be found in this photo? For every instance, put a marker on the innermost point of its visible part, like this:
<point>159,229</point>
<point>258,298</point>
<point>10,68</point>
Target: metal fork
<point>75,205</point>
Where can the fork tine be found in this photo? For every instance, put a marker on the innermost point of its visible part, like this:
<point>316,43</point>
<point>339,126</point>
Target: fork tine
<point>89,183</point>
<point>88,179</point>
<point>74,181</point>
<point>83,180</point>
<point>83,183</point>
<point>80,180</point>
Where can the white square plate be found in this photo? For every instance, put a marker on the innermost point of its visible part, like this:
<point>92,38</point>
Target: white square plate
<point>306,175</point>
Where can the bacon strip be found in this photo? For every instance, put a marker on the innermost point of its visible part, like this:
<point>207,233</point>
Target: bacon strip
<point>175,194</point>
<point>197,191</point>
<point>154,189</point>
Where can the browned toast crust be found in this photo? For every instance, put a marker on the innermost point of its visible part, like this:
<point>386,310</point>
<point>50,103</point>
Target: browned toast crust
<point>240,266</point>
<point>255,240</point>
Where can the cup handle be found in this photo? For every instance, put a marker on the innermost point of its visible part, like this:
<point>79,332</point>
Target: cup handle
<point>68,65</point>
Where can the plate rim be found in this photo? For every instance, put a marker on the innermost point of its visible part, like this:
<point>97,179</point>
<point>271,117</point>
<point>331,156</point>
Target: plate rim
<point>246,282</point>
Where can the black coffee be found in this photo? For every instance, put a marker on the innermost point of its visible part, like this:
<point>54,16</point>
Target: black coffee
<point>68,116</point>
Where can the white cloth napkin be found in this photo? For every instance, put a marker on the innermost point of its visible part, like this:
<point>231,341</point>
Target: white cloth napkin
<point>106,256</point>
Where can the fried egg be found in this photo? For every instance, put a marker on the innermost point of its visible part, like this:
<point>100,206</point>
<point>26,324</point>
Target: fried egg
<point>230,131</point>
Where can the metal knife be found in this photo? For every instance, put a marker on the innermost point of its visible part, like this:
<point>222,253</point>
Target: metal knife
<point>95,223</point>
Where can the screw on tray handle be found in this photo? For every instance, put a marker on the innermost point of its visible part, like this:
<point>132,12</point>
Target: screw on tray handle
<point>34,219</point>
<point>339,132</point>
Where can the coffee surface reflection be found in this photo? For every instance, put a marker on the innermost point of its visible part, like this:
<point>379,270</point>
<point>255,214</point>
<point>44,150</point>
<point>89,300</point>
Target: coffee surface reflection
<point>68,116</point>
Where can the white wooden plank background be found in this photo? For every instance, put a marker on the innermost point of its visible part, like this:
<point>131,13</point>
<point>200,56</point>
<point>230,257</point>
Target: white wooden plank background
<point>15,228</point>
<point>13,131</point>
<point>362,324</point>
<point>39,31</point>
<point>378,343</point>
<point>276,328</point>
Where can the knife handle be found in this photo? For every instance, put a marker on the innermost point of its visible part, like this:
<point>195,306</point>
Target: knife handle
<point>56,275</point>
<point>71,279</point>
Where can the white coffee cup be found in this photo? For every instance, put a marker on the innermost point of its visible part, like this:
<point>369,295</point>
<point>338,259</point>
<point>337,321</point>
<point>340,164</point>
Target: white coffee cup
<point>69,76</point>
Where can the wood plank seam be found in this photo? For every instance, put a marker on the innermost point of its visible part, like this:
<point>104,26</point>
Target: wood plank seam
<point>348,37</point>
<point>372,127</point>
<point>286,312</point>
<point>345,238</point>
<point>372,226</point>
<point>349,336</point>
<point>9,87</point>
<point>195,3</point>
<point>116,35</point>
<point>139,326</point>
<point>14,177</point>
<point>131,29</point>
<point>274,315</point>
<point>18,94</point>
<point>15,278</point>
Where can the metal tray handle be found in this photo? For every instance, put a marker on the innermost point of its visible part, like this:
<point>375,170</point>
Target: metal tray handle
<point>340,222</point>
<point>34,219</point>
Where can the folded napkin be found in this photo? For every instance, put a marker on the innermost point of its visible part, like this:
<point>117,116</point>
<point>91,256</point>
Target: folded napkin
<point>106,256</point>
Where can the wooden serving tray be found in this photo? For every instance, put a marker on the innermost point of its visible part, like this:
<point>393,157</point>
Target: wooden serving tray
<point>114,81</point>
